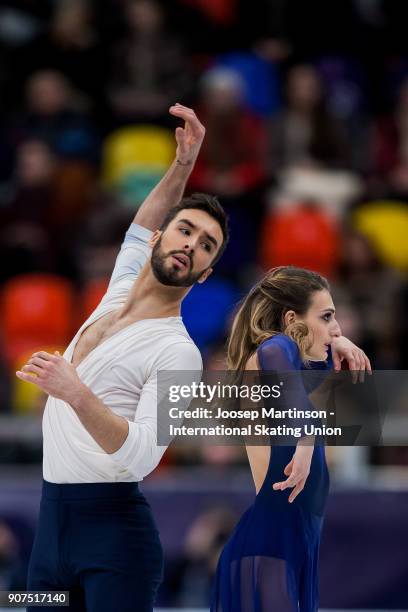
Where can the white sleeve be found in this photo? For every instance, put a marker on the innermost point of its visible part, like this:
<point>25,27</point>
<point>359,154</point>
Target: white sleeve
<point>133,254</point>
<point>140,453</point>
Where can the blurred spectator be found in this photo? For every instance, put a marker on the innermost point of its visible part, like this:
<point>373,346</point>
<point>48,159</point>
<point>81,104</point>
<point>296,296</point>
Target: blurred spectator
<point>68,43</point>
<point>223,457</point>
<point>374,291</point>
<point>47,192</point>
<point>220,11</point>
<point>73,46</point>
<point>232,164</point>
<point>148,70</point>
<point>233,158</point>
<point>309,152</point>
<point>44,203</point>
<point>260,79</point>
<point>190,577</point>
<point>9,557</point>
<point>24,243</point>
<point>24,248</point>
<point>345,85</point>
<point>54,113</point>
<point>305,133</point>
<point>31,189</point>
<point>391,145</point>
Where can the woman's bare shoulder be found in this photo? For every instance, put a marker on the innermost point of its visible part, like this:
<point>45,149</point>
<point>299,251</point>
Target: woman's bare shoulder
<point>252,363</point>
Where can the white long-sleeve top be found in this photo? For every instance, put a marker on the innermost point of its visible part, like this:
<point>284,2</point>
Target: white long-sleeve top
<point>122,372</point>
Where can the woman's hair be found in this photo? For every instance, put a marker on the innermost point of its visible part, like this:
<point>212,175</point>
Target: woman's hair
<point>261,314</point>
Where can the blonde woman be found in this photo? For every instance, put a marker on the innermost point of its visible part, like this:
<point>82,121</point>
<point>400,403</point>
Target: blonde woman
<point>270,563</point>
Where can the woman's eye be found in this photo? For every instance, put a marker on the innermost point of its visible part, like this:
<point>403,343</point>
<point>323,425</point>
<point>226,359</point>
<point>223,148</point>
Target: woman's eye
<point>185,231</point>
<point>206,246</point>
<point>327,316</point>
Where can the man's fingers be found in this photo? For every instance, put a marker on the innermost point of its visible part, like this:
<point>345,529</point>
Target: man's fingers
<point>185,113</point>
<point>181,107</point>
<point>44,355</point>
<point>180,137</point>
<point>189,117</point>
<point>30,368</point>
<point>38,361</point>
<point>31,378</point>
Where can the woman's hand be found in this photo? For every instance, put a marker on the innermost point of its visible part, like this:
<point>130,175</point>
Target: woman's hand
<point>297,470</point>
<point>53,374</point>
<point>357,360</point>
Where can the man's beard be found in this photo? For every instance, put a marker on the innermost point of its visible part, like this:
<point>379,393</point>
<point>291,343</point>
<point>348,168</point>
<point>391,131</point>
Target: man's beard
<point>171,276</point>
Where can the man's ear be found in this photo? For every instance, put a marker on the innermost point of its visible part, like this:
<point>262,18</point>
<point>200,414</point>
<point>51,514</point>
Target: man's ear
<point>205,275</point>
<point>155,237</point>
<point>289,318</point>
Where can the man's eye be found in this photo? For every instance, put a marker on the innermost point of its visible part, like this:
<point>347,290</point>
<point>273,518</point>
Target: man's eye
<point>185,231</point>
<point>206,246</point>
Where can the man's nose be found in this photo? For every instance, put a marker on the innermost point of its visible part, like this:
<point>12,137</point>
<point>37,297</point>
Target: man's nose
<point>189,248</point>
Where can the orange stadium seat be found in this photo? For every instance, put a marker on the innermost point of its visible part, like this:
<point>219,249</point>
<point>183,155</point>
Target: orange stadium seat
<point>304,237</point>
<point>36,312</point>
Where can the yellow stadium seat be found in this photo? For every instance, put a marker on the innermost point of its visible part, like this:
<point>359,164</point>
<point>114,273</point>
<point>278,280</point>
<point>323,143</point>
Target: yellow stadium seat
<point>134,149</point>
<point>385,223</point>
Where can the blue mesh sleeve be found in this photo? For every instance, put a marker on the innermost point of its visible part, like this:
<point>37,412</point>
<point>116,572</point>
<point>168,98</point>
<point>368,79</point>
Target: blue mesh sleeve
<point>280,362</point>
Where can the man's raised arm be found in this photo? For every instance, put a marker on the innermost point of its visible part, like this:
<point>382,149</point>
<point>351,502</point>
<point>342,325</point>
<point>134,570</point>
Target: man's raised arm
<point>170,190</point>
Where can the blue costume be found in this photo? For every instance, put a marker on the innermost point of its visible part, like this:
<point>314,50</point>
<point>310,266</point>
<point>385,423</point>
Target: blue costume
<point>270,562</point>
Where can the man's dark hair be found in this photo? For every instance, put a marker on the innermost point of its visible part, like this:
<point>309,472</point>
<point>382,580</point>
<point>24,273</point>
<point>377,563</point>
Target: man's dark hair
<point>210,205</point>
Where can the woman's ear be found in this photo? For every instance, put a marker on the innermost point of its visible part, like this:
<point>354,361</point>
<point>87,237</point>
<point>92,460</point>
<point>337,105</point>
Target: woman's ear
<point>155,237</point>
<point>289,318</point>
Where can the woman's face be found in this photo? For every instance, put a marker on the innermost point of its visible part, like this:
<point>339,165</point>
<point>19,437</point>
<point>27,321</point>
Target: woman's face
<point>321,322</point>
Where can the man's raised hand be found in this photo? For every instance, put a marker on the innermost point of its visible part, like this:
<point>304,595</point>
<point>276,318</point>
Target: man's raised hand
<point>190,137</point>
